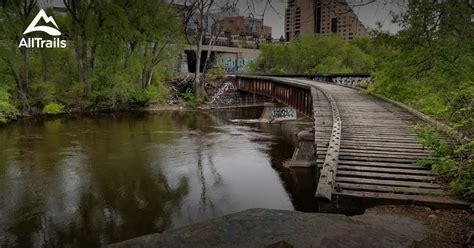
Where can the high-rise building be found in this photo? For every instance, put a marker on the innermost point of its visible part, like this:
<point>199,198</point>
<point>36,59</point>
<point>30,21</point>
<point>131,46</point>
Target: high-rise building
<point>322,17</point>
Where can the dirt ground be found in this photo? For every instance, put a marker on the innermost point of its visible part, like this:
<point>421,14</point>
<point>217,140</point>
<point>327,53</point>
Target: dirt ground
<point>452,228</point>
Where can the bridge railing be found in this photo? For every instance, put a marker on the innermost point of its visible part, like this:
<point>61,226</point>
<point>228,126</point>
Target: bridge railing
<point>293,94</point>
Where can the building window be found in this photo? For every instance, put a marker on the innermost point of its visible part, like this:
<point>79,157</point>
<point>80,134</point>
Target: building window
<point>318,16</point>
<point>334,25</point>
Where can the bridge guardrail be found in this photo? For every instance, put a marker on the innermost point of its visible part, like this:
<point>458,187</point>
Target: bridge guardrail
<point>297,95</point>
<point>348,79</point>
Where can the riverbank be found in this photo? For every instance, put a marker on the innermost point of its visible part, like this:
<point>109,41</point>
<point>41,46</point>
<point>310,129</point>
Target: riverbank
<point>385,226</point>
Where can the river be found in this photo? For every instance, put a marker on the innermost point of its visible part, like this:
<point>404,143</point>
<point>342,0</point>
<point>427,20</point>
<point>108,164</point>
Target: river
<point>93,180</point>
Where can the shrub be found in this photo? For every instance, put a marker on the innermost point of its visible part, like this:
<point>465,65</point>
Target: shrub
<point>364,85</point>
<point>53,108</point>
<point>455,163</point>
<point>191,100</point>
<point>322,54</point>
<point>215,74</point>
<point>7,110</point>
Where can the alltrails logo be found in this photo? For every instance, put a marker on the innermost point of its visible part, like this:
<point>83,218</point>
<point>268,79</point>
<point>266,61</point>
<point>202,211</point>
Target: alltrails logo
<point>40,42</point>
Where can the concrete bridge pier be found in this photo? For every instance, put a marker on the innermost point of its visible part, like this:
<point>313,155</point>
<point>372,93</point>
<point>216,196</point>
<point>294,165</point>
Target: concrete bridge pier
<point>303,171</point>
<point>304,155</point>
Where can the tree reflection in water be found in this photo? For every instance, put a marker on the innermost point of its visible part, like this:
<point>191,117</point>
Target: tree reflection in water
<point>90,181</point>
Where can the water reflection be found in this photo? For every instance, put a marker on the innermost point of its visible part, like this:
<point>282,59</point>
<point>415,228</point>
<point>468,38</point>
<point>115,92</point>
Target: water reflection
<point>89,181</point>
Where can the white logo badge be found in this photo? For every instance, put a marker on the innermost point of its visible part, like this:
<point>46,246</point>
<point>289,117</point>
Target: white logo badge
<point>46,29</point>
<point>40,42</point>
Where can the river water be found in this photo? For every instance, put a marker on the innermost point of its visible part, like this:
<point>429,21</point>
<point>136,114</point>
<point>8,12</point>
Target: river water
<point>93,180</point>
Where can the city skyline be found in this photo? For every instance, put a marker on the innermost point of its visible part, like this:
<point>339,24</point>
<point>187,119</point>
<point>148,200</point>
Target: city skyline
<point>369,14</point>
<point>274,14</point>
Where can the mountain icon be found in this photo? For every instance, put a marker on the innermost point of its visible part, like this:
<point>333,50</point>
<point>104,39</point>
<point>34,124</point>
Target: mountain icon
<point>49,30</point>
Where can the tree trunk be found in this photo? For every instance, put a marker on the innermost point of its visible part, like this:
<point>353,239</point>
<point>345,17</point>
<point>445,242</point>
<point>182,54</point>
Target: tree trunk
<point>24,78</point>
<point>147,76</point>
<point>79,63</point>
<point>44,65</point>
<point>208,57</point>
<point>197,79</point>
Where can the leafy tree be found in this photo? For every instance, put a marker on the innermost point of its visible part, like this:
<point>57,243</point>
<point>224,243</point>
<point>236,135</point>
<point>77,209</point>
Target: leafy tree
<point>117,55</point>
<point>16,16</point>
<point>198,14</point>
<point>318,54</point>
<point>7,110</point>
<point>429,65</point>
<point>155,26</point>
<point>430,61</point>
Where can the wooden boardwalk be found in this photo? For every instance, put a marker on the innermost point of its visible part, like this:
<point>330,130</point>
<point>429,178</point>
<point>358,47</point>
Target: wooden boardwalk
<point>377,149</point>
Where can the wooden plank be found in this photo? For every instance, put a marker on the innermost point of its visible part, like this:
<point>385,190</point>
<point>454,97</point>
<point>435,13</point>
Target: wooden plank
<point>375,148</point>
<point>380,137</point>
<point>378,159</point>
<point>389,189</point>
<point>382,169</point>
<point>437,201</point>
<point>380,164</point>
<point>376,143</point>
<point>383,175</point>
<point>381,155</point>
<point>387,182</point>
<point>382,151</point>
<point>383,140</point>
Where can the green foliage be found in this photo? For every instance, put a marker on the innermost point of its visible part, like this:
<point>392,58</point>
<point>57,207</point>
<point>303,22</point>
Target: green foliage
<point>429,64</point>
<point>432,140</point>
<point>324,54</point>
<point>364,85</point>
<point>191,100</point>
<point>53,108</point>
<point>455,163</point>
<point>7,110</point>
<point>215,74</point>
<point>117,56</point>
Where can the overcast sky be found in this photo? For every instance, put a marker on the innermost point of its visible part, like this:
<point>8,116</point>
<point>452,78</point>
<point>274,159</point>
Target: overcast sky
<point>369,14</point>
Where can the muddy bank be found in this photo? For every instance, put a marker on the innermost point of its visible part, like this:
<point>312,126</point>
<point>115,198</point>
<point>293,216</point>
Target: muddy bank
<point>449,228</point>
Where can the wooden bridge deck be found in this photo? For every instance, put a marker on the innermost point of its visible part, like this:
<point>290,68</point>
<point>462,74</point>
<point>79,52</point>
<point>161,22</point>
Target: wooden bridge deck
<point>377,150</point>
<point>365,146</point>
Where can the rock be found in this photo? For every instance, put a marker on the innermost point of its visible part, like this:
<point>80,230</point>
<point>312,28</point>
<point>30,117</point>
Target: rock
<point>278,228</point>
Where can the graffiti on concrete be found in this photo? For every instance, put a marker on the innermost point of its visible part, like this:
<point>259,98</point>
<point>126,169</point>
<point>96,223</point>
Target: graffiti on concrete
<point>348,80</point>
<point>353,81</point>
<point>229,86</point>
<point>232,65</point>
<point>283,113</point>
<point>321,79</point>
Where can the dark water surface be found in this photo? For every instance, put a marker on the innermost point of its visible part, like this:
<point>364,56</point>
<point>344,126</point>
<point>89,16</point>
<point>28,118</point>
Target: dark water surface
<point>90,181</point>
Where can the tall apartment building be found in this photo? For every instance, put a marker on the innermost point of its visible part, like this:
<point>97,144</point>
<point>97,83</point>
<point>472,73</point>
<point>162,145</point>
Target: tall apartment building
<point>322,17</point>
